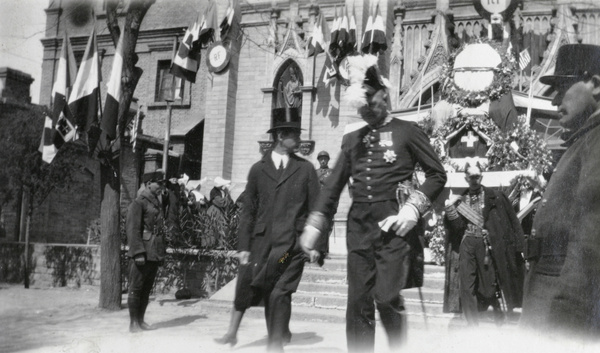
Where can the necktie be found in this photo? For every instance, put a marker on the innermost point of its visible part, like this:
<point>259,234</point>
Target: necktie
<point>280,169</point>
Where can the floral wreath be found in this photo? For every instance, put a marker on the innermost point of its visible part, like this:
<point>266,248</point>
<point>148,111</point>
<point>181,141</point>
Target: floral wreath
<point>501,83</point>
<point>519,149</point>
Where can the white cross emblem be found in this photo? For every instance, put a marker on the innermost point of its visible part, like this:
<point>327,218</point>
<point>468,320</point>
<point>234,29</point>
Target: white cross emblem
<point>470,139</point>
<point>389,156</point>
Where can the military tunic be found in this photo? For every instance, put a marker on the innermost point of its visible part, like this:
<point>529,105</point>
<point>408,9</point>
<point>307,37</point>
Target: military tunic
<point>380,264</point>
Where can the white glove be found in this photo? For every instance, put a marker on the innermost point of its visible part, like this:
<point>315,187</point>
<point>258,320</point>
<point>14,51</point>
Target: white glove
<point>244,257</point>
<point>451,200</point>
<point>406,219</point>
<point>308,241</point>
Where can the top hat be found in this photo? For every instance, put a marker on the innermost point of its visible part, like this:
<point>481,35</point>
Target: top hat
<point>157,175</point>
<point>573,61</point>
<point>285,118</point>
<point>323,154</point>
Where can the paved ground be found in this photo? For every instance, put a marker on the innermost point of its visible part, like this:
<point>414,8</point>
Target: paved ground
<point>68,320</point>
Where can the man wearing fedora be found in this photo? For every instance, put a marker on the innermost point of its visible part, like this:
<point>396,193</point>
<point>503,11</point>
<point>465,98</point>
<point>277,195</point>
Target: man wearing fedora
<point>144,224</point>
<point>385,254</point>
<point>562,288</point>
<point>282,188</point>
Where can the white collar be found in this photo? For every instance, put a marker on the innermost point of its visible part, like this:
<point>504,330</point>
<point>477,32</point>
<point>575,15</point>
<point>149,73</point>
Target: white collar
<point>278,158</point>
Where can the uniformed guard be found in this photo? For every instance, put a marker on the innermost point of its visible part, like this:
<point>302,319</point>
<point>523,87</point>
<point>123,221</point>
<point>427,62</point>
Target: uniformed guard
<point>383,229</point>
<point>145,219</point>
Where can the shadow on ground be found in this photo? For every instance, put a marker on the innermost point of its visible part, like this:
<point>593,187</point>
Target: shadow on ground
<point>303,338</point>
<point>180,321</point>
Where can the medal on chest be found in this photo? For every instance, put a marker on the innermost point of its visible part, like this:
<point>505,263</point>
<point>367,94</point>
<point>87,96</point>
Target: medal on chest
<point>389,156</point>
<point>386,139</point>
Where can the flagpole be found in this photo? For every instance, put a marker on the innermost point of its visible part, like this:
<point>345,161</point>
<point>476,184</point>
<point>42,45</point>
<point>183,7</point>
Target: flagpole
<point>169,101</point>
<point>530,100</point>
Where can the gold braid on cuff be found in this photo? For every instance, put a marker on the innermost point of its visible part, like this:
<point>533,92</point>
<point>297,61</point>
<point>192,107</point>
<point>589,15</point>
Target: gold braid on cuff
<point>317,220</point>
<point>420,201</point>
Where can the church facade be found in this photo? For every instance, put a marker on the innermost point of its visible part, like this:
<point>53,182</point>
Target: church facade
<point>219,126</point>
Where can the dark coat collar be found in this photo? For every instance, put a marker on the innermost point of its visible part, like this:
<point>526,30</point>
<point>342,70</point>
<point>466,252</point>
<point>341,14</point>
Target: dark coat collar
<point>592,122</point>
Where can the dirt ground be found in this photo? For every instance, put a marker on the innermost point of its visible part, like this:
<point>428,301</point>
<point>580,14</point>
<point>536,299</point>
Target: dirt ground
<point>67,320</point>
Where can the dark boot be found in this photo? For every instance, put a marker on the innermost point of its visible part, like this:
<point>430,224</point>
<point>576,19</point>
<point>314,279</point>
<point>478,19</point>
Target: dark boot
<point>134,312</point>
<point>143,324</point>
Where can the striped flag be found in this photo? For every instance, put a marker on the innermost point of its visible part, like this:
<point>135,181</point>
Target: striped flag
<point>373,39</point>
<point>111,106</point>
<point>187,60</point>
<point>228,20</point>
<point>60,129</point>
<point>320,37</point>
<point>83,101</point>
<point>335,31</point>
<point>209,25</point>
<point>524,59</point>
<point>351,43</point>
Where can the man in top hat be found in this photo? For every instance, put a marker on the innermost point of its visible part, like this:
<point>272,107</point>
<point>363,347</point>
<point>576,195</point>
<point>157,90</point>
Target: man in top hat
<point>282,188</point>
<point>562,288</point>
<point>145,226</point>
<point>385,254</point>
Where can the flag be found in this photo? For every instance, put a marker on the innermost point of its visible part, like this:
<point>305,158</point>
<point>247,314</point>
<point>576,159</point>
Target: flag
<point>208,26</point>
<point>351,43</point>
<point>113,96</point>
<point>60,129</point>
<point>83,101</point>
<point>524,59</point>
<point>320,37</point>
<point>333,36</point>
<point>373,39</point>
<point>228,20</point>
<point>187,60</point>
<point>330,70</point>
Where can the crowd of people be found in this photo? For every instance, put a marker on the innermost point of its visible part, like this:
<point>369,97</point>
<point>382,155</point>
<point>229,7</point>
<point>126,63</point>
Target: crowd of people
<point>286,219</point>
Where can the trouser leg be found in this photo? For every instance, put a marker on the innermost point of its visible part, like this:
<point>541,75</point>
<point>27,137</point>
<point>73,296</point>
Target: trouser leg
<point>467,269</point>
<point>360,312</point>
<point>136,278</point>
<point>392,259</point>
<point>150,270</point>
<point>280,311</point>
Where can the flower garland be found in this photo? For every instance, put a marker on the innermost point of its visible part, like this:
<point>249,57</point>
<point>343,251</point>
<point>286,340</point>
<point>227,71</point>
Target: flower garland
<point>477,122</point>
<point>519,149</point>
<point>502,82</point>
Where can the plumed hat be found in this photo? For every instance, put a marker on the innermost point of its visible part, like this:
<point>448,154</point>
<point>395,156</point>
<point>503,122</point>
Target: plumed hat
<point>573,61</point>
<point>363,72</point>
<point>285,118</point>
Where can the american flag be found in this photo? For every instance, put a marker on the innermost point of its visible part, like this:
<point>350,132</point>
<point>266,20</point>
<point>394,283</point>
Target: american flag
<point>524,59</point>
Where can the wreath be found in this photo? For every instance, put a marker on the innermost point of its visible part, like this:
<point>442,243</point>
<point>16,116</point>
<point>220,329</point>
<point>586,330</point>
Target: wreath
<point>501,83</point>
<point>519,149</point>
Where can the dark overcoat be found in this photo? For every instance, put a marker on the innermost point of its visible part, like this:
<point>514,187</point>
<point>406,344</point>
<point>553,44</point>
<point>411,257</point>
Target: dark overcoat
<point>506,238</point>
<point>562,289</point>
<point>277,210</point>
<point>144,215</point>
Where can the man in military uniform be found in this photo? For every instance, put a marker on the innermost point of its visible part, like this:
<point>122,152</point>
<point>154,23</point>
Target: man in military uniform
<point>145,225</point>
<point>562,288</point>
<point>484,246</point>
<point>384,251</point>
<point>323,171</point>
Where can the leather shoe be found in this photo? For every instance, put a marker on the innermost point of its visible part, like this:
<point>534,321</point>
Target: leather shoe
<point>144,326</point>
<point>231,340</point>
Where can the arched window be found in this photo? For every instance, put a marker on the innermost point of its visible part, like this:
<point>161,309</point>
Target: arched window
<point>287,92</point>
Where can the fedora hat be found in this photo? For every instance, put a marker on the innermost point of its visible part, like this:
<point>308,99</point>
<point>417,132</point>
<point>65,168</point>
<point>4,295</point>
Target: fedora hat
<point>573,61</point>
<point>285,118</point>
<point>157,175</point>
